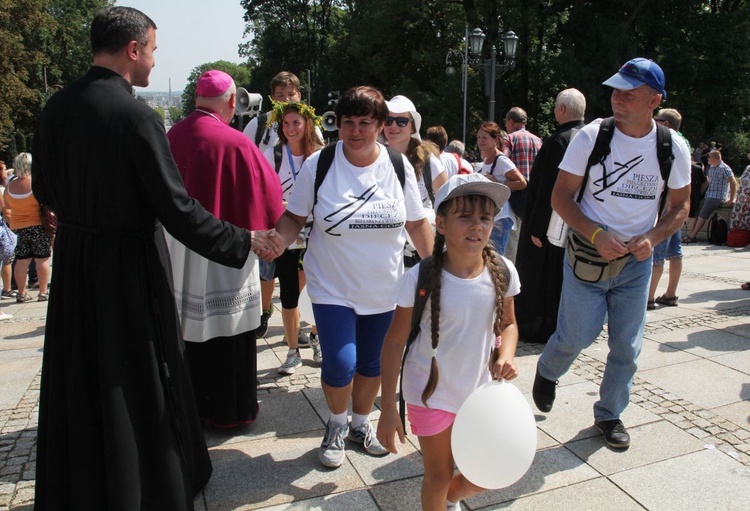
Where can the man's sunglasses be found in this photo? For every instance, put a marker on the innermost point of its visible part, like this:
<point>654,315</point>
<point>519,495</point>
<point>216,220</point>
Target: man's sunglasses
<point>401,122</point>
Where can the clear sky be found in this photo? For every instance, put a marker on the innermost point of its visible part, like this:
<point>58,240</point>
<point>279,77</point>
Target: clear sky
<point>190,33</point>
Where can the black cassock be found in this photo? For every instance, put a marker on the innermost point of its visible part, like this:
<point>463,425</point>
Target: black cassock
<point>540,269</point>
<point>118,426</point>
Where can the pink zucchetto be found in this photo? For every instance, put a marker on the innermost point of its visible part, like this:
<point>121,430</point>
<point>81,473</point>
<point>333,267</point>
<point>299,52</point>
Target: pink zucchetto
<point>213,83</point>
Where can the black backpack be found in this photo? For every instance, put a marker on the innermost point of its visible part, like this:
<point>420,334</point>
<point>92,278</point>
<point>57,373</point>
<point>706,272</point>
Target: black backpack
<point>421,294</point>
<point>326,159</point>
<point>717,230</point>
<point>601,151</point>
<point>277,157</point>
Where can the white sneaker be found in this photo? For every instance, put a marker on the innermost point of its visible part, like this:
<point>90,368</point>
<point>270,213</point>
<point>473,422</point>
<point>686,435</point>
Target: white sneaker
<point>365,435</point>
<point>302,339</point>
<point>293,361</point>
<point>332,451</point>
<point>4,316</point>
<point>317,352</point>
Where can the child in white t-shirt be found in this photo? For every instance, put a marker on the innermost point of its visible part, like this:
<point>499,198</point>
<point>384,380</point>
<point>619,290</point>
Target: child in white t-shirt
<point>471,301</point>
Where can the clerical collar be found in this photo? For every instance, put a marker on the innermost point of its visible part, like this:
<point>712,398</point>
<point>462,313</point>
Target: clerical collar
<point>212,115</point>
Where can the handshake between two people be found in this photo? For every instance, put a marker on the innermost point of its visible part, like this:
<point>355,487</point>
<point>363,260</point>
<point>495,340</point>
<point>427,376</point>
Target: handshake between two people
<point>267,245</point>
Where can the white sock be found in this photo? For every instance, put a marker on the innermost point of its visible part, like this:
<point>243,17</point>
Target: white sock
<point>452,506</point>
<point>358,420</point>
<point>338,419</point>
<point>292,351</point>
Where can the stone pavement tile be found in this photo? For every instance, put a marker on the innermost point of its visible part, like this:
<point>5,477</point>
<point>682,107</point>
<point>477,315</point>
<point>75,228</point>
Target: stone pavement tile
<point>739,361</point>
<point>702,382</point>
<point>15,377</point>
<point>551,469</point>
<point>699,481</point>
<point>273,471</point>
<point>702,341</point>
<point>738,413</point>
<point>544,441</point>
<point>586,495</point>
<point>655,354</point>
<point>28,310</point>
<point>572,416</point>
<point>650,443</point>
<point>400,495</point>
<point>22,353</point>
<point>391,467</point>
<point>360,500</point>
<point>738,327</point>
<point>280,414</point>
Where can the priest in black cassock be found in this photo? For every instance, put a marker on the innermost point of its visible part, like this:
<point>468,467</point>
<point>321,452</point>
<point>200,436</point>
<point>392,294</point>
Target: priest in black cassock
<point>539,263</point>
<point>118,426</point>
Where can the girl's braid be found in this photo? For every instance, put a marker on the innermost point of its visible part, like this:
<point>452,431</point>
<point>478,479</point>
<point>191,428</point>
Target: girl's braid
<point>436,273</point>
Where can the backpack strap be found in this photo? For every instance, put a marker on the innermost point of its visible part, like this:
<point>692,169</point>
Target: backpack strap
<point>421,294</point>
<point>325,160</point>
<point>277,157</point>
<point>665,156</point>
<point>427,178</point>
<point>397,160</point>
<point>599,153</point>
<point>262,121</point>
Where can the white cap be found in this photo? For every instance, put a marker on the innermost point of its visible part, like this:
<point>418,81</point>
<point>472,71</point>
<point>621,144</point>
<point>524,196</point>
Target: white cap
<point>472,184</point>
<point>402,105</point>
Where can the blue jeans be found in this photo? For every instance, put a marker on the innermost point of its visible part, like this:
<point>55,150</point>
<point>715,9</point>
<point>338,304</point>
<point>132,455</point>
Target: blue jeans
<point>582,312</point>
<point>501,234</point>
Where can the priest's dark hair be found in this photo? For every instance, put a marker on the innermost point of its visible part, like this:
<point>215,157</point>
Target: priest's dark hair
<point>114,27</point>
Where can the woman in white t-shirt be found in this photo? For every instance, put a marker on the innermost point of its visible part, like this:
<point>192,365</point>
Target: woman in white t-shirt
<point>498,167</point>
<point>402,133</point>
<point>354,258</point>
<point>297,141</point>
<point>471,300</point>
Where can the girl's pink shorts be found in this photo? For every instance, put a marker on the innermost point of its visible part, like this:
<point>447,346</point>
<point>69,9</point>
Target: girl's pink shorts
<point>428,421</point>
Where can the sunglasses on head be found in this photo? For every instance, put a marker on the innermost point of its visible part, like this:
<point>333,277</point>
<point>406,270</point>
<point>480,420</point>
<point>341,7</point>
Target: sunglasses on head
<point>401,122</point>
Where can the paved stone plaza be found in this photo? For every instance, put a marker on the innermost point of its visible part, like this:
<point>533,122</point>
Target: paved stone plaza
<point>689,420</point>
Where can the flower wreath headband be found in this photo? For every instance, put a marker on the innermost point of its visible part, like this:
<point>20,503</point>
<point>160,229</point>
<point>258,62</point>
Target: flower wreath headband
<point>280,109</point>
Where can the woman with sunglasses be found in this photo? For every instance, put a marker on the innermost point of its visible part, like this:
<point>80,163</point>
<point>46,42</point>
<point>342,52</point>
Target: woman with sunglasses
<point>498,167</point>
<point>402,133</point>
<point>353,260</point>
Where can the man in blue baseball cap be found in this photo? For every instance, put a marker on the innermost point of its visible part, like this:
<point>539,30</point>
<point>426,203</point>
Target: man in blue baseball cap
<point>615,217</point>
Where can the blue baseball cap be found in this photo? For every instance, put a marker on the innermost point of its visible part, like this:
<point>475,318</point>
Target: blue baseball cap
<point>637,72</point>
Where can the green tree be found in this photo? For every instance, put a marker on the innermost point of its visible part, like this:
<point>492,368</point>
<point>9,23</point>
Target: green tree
<point>45,44</point>
<point>239,72</point>
<point>175,113</point>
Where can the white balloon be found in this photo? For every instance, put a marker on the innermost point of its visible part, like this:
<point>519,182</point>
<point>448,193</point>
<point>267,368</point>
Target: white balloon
<point>494,436</point>
<point>305,307</point>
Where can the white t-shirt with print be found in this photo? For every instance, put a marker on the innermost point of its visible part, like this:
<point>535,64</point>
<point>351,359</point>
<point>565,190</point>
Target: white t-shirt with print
<point>504,165</point>
<point>628,203</point>
<point>467,316</point>
<point>355,251</point>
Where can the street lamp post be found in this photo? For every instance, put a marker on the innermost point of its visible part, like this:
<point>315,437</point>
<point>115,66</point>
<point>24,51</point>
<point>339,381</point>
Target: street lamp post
<point>473,44</point>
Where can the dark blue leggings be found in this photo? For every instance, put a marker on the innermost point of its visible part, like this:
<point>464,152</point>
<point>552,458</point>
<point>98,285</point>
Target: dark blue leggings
<point>349,342</point>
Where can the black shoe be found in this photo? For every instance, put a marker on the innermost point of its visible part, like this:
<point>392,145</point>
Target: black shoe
<point>543,392</point>
<point>614,433</point>
<point>263,328</point>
